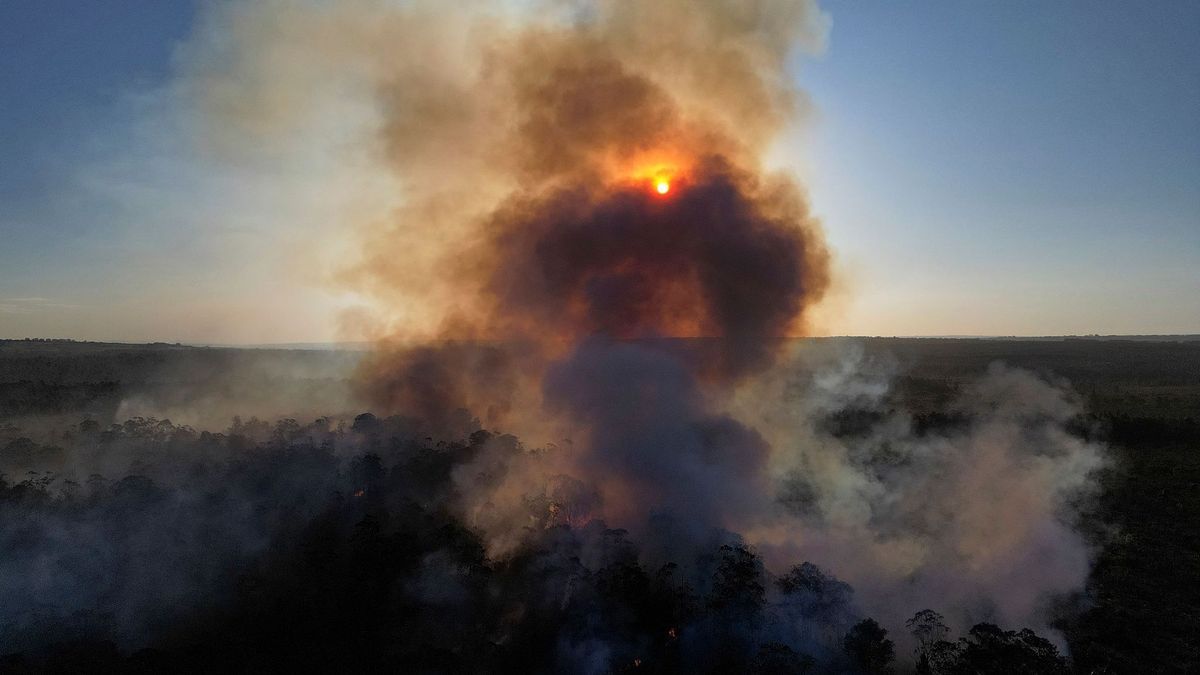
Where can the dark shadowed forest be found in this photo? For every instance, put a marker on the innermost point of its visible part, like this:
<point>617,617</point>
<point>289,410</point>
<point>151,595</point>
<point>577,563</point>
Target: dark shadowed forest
<point>177,509</point>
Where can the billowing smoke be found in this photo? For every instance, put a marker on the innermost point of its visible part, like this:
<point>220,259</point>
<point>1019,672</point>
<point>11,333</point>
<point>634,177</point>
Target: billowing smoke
<point>619,203</point>
<point>582,296</point>
<point>588,184</point>
<point>536,278</point>
<point>532,172</point>
<point>977,506</point>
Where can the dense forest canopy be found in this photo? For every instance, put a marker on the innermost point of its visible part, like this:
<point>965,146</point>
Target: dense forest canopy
<point>143,544</point>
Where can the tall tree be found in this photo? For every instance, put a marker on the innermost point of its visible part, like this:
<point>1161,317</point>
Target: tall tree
<point>868,646</point>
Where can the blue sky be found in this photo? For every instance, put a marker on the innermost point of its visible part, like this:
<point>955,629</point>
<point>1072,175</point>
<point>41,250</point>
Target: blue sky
<point>1022,167</point>
<point>69,77</point>
<point>67,71</point>
<point>981,168</point>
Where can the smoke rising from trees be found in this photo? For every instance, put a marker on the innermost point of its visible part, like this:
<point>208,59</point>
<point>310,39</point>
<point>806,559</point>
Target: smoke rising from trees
<point>590,446</point>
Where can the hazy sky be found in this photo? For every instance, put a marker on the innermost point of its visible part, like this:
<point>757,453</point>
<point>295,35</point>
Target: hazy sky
<point>981,168</point>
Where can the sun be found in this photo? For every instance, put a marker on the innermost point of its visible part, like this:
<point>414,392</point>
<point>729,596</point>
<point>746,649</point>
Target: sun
<point>658,177</point>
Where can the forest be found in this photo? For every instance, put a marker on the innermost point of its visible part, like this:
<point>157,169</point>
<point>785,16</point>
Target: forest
<point>333,542</point>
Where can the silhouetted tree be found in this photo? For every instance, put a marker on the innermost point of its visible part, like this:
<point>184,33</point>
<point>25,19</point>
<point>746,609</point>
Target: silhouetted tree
<point>821,592</point>
<point>868,647</point>
<point>934,655</point>
<point>737,583</point>
<point>988,650</point>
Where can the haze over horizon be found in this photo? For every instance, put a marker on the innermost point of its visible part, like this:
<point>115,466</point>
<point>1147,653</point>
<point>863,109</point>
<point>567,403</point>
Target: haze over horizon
<point>1023,170</point>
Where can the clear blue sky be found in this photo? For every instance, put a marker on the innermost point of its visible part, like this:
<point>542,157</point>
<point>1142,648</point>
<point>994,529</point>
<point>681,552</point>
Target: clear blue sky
<point>1022,167</point>
<point>981,167</point>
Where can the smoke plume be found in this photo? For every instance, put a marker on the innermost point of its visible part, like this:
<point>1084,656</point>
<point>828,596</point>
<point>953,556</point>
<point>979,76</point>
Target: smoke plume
<point>531,169</point>
<point>586,252</point>
<point>581,184</point>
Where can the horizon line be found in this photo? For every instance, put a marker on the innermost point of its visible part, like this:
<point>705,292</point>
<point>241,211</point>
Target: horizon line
<point>333,345</point>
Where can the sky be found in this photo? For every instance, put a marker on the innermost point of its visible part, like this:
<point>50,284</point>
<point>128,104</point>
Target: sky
<point>1008,168</point>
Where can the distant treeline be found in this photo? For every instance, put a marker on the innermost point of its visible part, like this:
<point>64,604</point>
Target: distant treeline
<point>1119,377</point>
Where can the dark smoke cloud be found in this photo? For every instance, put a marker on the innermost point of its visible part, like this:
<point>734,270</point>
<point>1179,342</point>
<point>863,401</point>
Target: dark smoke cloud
<point>717,260</point>
<point>565,238</point>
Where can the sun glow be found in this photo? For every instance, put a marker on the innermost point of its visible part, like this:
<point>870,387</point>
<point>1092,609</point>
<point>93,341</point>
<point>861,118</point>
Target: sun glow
<point>660,174</point>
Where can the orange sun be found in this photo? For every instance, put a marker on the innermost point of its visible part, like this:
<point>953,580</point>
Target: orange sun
<point>663,186</point>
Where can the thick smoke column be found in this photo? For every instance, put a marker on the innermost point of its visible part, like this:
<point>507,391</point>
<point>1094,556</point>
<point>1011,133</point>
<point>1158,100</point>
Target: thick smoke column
<point>629,204</point>
<point>568,123</point>
<point>532,276</point>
